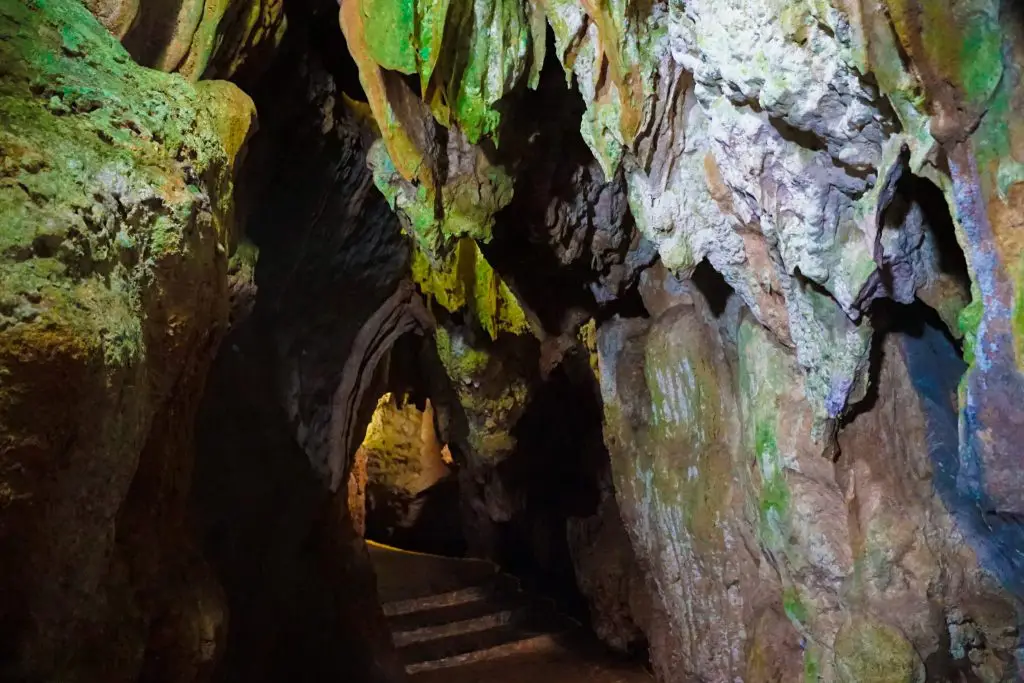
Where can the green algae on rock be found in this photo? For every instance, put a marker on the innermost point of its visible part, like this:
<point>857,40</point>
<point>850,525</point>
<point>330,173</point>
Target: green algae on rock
<point>490,390</point>
<point>868,651</point>
<point>115,211</point>
<point>465,281</point>
<point>471,54</point>
<point>465,208</point>
<point>447,262</point>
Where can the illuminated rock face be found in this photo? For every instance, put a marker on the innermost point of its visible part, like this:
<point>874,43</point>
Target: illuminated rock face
<point>196,38</point>
<point>825,159</point>
<point>408,499</point>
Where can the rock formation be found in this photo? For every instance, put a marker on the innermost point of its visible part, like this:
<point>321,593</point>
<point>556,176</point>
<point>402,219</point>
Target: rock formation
<point>827,160</point>
<point>117,220</point>
<point>718,306</point>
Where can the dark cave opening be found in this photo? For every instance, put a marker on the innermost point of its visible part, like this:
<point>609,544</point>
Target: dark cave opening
<point>919,215</point>
<point>712,285</point>
<point>913,190</point>
<point>274,536</point>
<point>556,472</point>
<point>567,243</point>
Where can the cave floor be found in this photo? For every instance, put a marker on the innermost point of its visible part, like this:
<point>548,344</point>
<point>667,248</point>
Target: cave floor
<point>462,621</point>
<point>572,666</point>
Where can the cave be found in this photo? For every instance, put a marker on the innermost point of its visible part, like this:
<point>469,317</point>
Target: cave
<point>386,341</point>
<point>403,489</point>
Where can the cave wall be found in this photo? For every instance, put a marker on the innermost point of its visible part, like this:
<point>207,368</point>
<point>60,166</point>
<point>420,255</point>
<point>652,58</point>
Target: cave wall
<point>122,270</point>
<point>821,162</point>
<point>768,558</point>
<point>116,221</point>
<point>295,381</point>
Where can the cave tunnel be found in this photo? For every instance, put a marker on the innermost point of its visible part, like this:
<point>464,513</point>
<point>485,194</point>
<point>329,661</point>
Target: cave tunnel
<point>403,486</point>
<point>510,341</point>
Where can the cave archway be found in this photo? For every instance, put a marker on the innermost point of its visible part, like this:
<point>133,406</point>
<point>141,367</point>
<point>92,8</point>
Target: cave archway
<point>403,486</point>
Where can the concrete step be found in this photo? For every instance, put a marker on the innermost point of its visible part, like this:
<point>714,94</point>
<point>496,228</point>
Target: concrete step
<point>448,612</point>
<point>470,648</point>
<point>448,629</point>
<point>451,612</point>
<point>495,588</point>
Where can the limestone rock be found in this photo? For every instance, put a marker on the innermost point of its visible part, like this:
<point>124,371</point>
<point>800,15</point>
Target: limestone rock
<point>405,474</point>
<point>671,422</point>
<point>196,38</point>
<point>868,560</point>
<point>116,16</point>
<point>608,576</point>
<point>491,383</point>
<point>116,210</point>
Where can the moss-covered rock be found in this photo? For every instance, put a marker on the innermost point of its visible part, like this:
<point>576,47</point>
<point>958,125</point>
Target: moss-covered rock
<point>115,211</point>
<point>465,281</point>
<point>467,55</point>
<point>869,651</point>
<point>490,387</point>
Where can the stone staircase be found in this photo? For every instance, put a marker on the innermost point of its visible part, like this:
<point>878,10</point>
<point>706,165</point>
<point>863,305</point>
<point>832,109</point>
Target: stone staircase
<point>447,612</point>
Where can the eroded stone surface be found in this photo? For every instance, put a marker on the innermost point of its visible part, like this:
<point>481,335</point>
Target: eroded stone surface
<point>196,38</point>
<point>868,560</point>
<point>115,228</point>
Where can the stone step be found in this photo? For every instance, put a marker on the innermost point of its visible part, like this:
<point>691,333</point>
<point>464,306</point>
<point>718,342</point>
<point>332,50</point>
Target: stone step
<point>448,612</point>
<point>470,648</point>
<point>448,629</point>
<point>452,612</point>
<point>403,575</point>
<point>488,588</point>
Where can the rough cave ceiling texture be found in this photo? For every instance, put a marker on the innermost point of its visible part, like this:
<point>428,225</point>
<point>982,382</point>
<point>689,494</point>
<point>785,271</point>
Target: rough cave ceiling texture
<point>812,432</point>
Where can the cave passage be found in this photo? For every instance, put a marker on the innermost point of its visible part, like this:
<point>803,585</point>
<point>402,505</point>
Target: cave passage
<point>517,341</point>
<point>404,484</point>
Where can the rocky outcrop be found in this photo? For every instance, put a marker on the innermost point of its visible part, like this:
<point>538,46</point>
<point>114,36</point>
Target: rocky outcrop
<point>196,38</point>
<point>820,160</point>
<point>762,553</point>
<point>114,237</point>
<point>608,576</point>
